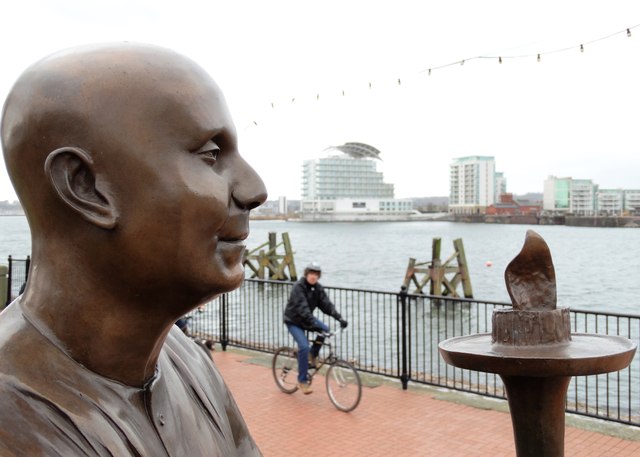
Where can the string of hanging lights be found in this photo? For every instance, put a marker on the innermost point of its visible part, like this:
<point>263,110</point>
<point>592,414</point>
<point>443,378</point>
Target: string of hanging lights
<point>537,56</point>
<point>499,58</point>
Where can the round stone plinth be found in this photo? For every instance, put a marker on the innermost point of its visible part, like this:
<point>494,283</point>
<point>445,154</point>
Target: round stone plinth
<point>585,354</point>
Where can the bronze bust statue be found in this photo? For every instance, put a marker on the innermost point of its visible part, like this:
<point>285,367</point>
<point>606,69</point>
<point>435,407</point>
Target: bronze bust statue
<point>125,159</point>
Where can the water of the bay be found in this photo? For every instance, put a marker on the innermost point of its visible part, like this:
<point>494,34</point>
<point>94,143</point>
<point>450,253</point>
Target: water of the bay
<point>596,268</point>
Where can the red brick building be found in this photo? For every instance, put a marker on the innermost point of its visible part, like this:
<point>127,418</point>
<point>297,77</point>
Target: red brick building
<point>508,206</point>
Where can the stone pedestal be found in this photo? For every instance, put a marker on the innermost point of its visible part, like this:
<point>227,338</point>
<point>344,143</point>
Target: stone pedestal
<point>536,379</point>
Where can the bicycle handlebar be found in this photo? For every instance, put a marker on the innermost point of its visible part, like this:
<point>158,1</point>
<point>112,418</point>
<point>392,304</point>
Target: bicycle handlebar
<point>327,334</point>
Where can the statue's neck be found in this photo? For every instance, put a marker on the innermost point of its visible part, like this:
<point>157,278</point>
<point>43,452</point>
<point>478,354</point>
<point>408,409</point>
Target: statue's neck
<point>113,341</point>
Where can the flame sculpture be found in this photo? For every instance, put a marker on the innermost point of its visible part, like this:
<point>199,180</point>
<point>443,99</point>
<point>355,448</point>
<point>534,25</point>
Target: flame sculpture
<point>532,349</point>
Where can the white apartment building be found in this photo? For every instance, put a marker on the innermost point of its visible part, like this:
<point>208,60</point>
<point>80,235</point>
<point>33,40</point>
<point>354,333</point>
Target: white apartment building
<point>348,186</point>
<point>610,202</point>
<point>569,196</point>
<point>632,201</point>
<point>501,185</point>
<point>283,207</point>
<point>473,184</point>
<point>618,202</point>
<point>556,195</point>
<point>582,197</point>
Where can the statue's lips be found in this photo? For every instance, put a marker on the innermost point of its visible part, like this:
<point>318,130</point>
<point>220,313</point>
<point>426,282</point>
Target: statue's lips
<point>233,243</point>
<point>234,232</point>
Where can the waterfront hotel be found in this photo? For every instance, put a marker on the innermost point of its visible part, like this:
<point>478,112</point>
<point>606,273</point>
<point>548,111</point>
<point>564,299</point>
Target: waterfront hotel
<point>346,186</point>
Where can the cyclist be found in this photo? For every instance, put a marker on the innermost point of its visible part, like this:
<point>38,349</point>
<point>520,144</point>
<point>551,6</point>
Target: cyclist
<point>307,295</point>
<point>183,322</point>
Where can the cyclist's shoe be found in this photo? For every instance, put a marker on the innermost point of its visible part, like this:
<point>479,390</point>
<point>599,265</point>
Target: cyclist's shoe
<point>305,388</point>
<point>313,360</point>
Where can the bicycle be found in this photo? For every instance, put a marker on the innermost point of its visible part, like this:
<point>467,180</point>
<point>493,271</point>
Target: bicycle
<point>341,378</point>
<point>205,344</point>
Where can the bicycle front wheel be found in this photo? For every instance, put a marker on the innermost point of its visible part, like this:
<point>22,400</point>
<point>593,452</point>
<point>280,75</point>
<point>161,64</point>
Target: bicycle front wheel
<point>285,369</point>
<point>343,386</point>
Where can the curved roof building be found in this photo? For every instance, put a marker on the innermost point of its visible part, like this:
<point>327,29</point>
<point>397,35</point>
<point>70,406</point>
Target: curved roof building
<point>348,187</point>
<point>358,150</point>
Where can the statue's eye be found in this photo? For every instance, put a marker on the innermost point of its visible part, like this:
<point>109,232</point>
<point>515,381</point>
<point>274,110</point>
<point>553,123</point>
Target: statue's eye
<point>208,152</point>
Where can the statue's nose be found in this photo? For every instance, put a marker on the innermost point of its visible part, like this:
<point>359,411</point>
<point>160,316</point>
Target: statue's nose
<point>248,190</point>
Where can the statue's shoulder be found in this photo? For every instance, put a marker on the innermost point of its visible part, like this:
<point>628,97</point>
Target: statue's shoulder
<point>30,422</point>
<point>19,341</point>
<point>196,368</point>
<point>187,357</point>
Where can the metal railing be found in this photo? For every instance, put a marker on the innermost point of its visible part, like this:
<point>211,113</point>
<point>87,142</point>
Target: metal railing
<point>397,335</point>
<point>17,274</point>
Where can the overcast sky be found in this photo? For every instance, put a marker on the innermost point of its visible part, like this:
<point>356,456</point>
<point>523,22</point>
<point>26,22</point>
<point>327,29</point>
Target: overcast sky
<point>283,66</point>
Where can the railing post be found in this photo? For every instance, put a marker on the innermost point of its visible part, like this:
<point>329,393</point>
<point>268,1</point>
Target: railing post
<point>224,324</point>
<point>4,284</point>
<point>8,298</point>
<point>27,265</point>
<point>404,375</point>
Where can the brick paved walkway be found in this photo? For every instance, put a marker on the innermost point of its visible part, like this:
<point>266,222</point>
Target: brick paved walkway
<point>389,421</point>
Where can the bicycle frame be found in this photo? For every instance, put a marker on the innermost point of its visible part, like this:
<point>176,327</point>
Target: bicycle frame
<point>343,384</point>
<point>331,357</point>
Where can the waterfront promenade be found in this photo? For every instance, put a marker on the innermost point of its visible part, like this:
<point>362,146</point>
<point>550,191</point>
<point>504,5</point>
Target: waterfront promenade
<point>421,421</point>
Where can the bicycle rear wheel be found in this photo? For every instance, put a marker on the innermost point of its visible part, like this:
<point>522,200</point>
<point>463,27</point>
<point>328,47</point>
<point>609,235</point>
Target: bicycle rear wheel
<point>285,369</point>
<point>343,386</point>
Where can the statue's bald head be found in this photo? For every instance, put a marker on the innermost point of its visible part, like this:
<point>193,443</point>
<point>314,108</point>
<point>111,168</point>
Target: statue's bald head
<point>126,161</point>
<point>100,99</point>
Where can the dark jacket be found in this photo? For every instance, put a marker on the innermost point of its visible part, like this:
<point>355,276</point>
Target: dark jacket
<point>304,299</point>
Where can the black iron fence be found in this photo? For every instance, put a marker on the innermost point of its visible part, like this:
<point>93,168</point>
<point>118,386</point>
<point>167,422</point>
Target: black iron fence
<point>17,274</point>
<point>397,335</point>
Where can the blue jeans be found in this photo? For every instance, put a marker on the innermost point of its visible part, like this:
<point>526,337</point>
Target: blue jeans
<point>303,347</point>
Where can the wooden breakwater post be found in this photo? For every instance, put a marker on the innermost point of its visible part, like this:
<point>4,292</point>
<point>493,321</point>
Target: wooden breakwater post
<point>269,264</point>
<point>443,278</point>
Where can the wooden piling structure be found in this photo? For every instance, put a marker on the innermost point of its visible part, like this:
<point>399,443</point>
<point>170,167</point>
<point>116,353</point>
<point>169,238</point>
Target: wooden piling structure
<point>443,278</point>
<point>269,264</point>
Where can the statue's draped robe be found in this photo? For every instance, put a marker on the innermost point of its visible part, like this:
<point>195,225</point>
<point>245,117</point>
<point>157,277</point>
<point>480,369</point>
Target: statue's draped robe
<point>51,405</point>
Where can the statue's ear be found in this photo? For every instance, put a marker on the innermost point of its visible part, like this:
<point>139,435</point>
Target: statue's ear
<point>72,174</point>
